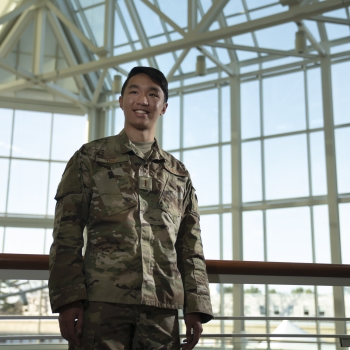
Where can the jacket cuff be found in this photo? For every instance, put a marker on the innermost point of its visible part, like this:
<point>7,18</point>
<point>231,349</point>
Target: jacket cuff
<point>200,304</point>
<point>67,295</point>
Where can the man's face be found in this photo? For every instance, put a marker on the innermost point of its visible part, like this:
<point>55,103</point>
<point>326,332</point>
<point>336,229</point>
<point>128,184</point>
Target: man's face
<point>142,102</point>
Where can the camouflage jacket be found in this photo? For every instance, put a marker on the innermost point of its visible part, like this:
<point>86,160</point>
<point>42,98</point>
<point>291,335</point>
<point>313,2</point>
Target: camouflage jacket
<point>143,246</point>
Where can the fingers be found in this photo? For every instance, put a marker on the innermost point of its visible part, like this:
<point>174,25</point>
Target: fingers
<point>192,338</point>
<point>71,330</point>
<point>80,323</point>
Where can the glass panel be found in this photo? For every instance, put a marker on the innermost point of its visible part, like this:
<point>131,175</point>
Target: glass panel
<point>48,241</point>
<point>28,187</point>
<point>119,33</point>
<point>176,10</point>
<point>2,230</point>
<point>268,11</point>
<point>150,20</point>
<point>226,174</point>
<point>253,236</point>
<point>318,164</point>
<point>321,232</point>
<point>32,240</point>
<point>336,31</point>
<point>227,236</point>
<point>4,166</point>
<point>251,171</point>
<point>344,217</point>
<point>340,89</point>
<point>342,143</point>
<point>284,103</point>
<point>225,114</point>
<point>56,172</point>
<point>96,17</point>
<point>165,62</point>
<point>258,3</point>
<point>203,167</point>
<point>250,109</point>
<point>233,7</point>
<point>210,234</point>
<point>289,235</point>
<point>5,131</point>
<point>280,37</point>
<point>119,120</point>
<point>286,170</point>
<point>67,140</point>
<point>171,124</point>
<point>314,90</point>
<point>201,118</point>
<point>31,137</point>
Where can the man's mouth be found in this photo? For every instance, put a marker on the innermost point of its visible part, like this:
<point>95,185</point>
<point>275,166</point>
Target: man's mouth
<point>140,111</point>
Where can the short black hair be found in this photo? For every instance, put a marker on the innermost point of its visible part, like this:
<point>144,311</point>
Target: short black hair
<point>154,74</point>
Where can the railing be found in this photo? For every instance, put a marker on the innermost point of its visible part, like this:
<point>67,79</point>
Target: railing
<point>35,267</point>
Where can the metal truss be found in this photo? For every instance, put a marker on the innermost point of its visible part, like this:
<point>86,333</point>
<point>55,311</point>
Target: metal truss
<point>89,64</point>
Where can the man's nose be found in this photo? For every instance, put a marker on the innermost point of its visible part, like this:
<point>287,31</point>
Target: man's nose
<point>142,99</point>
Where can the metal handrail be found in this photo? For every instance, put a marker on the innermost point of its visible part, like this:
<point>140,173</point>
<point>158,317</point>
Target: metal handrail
<point>222,267</point>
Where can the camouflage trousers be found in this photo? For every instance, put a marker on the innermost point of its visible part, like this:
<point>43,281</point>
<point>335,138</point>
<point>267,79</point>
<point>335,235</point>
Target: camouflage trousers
<point>110,326</point>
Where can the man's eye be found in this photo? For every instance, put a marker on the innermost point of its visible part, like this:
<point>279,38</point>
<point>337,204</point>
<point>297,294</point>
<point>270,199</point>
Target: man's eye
<point>153,94</point>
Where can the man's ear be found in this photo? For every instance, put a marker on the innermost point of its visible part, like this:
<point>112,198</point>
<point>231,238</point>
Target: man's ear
<point>121,101</point>
<point>165,106</point>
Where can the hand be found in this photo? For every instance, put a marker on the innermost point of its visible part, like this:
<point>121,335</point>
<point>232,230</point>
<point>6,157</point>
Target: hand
<point>193,322</point>
<point>70,330</point>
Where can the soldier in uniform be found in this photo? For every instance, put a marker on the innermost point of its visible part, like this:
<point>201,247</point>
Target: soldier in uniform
<point>144,257</point>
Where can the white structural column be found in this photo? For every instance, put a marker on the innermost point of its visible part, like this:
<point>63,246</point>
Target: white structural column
<point>97,123</point>
<point>237,239</point>
<point>109,26</point>
<point>39,40</point>
<point>333,209</point>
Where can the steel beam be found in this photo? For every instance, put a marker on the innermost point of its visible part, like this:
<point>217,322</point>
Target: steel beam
<point>312,39</point>
<point>200,39</point>
<point>260,49</point>
<point>211,15</point>
<point>140,30</point>
<point>327,19</point>
<point>17,11</point>
<point>15,85</point>
<point>108,38</point>
<point>191,15</point>
<point>39,40</point>
<point>15,33</point>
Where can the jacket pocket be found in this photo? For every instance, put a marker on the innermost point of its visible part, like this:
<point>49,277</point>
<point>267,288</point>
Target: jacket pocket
<point>114,197</point>
<point>171,198</point>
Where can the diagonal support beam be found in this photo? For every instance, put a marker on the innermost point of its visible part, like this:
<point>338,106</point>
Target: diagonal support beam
<point>327,19</point>
<point>216,61</point>
<point>66,49</point>
<point>210,16</point>
<point>39,40</point>
<point>17,11</point>
<point>16,85</point>
<point>86,41</point>
<point>177,64</point>
<point>312,40</point>
<point>15,70</point>
<point>15,33</point>
<point>294,14</point>
<point>99,86</point>
<point>136,20</point>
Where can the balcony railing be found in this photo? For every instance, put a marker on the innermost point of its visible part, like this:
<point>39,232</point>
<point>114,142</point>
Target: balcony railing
<point>35,267</point>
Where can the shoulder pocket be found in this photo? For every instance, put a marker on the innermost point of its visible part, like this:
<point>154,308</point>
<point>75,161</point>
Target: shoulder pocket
<point>70,182</point>
<point>115,197</point>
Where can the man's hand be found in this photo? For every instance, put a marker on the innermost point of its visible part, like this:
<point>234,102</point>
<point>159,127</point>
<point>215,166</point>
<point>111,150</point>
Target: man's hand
<point>70,330</point>
<point>194,330</point>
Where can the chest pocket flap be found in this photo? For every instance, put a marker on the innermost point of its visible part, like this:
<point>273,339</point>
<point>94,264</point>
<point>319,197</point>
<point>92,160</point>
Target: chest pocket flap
<point>113,197</point>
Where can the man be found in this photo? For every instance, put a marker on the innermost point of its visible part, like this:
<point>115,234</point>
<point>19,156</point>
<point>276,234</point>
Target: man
<point>144,257</point>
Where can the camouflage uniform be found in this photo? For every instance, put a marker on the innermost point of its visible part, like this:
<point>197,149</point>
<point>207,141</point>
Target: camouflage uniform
<point>143,246</point>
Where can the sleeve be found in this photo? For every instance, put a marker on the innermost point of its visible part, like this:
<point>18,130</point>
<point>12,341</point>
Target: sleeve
<point>191,262</point>
<point>67,281</point>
